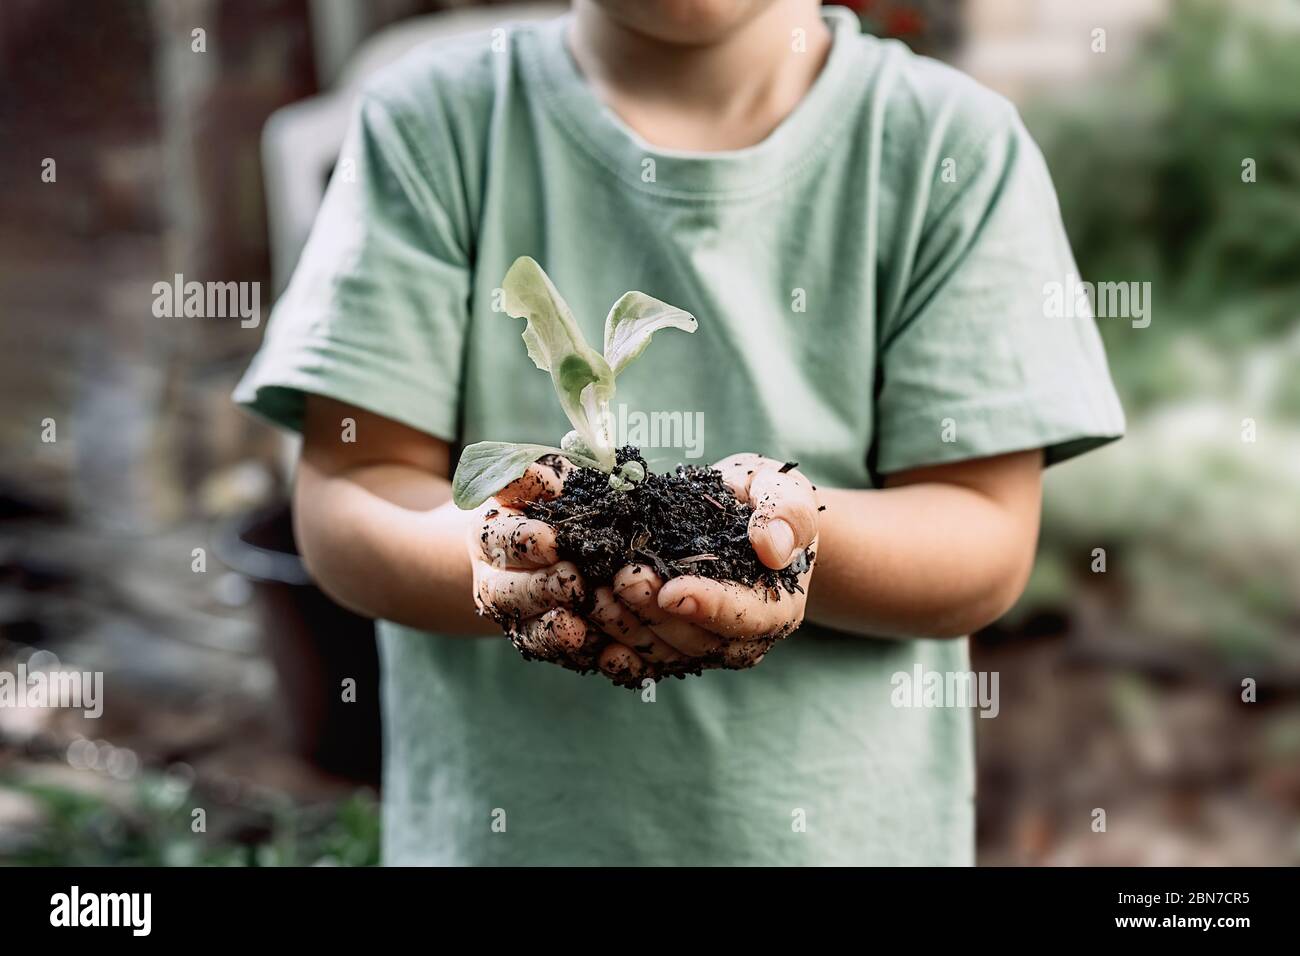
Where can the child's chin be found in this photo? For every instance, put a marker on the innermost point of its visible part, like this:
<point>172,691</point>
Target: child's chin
<point>683,22</point>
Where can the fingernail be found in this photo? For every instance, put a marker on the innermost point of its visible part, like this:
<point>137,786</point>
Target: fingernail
<point>686,606</point>
<point>782,537</point>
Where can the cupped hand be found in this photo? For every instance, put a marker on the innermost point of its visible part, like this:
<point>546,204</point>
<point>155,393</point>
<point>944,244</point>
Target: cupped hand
<point>519,580</point>
<point>693,623</point>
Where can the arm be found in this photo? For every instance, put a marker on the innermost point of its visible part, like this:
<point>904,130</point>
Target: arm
<point>376,525</point>
<point>938,552</point>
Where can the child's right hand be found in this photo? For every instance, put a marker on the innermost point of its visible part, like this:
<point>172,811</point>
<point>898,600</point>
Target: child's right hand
<point>519,581</point>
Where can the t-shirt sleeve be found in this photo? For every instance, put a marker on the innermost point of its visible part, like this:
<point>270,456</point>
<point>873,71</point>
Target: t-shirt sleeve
<point>376,311</point>
<point>973,360</point>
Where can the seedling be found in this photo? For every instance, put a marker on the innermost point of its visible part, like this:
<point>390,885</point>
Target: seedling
<point>613,512</point>
<point>583,379</point>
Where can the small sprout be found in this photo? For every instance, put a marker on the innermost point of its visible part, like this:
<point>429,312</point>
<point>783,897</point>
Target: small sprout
<point>627,476</point>
<point>575,444</point>
<point>583,380</point>
<point>632,471</point>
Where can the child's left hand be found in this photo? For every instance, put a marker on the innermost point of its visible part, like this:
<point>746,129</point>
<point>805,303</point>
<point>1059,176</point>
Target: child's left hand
<point>693,622</point>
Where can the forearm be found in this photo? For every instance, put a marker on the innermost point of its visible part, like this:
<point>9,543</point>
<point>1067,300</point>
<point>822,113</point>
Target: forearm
<point>923,560</point>
<point>386,541</point>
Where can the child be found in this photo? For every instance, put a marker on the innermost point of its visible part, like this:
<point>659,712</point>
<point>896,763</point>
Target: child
<point>865,236</point>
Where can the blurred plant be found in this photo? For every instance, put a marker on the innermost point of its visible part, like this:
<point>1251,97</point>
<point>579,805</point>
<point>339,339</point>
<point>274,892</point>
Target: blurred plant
<point>1199,525</point>
<point>152,828</point>
<point>888,17</point>
<point>1199,530</point>
<point>928,26</point>
<point>1149,168</point>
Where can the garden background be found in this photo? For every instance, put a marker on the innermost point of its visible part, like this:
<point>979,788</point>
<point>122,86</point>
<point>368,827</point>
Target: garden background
<point>149,540</point>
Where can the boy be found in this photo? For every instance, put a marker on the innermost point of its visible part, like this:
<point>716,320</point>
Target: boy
<point>864,236</point>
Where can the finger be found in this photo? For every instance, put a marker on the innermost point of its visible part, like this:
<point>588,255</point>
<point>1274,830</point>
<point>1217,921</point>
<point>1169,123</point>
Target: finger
<point>730,609</point>
<point>558,635</point>
<point>507,539</point>
<point>621,665</point>
<point>739,470</point>
<point>637,587</point>
<point>506,593</point>
<point>487,512</point>
<point>784,521</point>
<point>541,481</point>
<point>743,654</point>
<point>613,617</point>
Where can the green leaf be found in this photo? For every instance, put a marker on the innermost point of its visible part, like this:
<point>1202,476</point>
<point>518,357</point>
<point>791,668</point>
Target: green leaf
<point>488,466</point>
<point>583,379</point>
<point>634,318</point>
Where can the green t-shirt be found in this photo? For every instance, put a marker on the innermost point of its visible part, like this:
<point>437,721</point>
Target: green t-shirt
<point>869,282</point>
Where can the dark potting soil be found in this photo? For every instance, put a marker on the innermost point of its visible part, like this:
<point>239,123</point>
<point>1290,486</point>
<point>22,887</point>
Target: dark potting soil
<point>686,521</point>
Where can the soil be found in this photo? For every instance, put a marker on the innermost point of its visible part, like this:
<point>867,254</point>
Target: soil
<point>682,522</point>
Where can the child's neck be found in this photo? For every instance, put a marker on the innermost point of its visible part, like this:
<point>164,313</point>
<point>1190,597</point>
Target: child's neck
<point>722,95</point>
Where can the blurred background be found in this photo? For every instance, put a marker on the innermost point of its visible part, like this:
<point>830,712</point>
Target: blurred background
<point>143,526</point>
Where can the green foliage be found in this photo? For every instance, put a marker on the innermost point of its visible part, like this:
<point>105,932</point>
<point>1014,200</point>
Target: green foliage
<point>153,828</point>
<point>1199,525</point>
<point>1199,529</point>
<point>1149,169</point>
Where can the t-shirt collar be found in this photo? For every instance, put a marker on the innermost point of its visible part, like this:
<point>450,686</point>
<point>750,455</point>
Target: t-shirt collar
<point>799,140</point>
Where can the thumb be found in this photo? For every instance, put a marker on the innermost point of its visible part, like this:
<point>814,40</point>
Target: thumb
<point>784,521</point>
<point>541,481</point>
